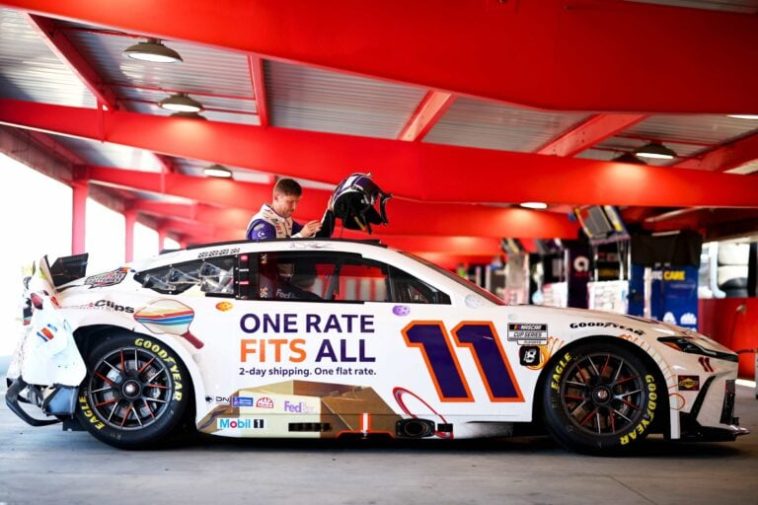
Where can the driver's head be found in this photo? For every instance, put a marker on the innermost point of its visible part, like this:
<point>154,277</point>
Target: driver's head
<point>287,194</point>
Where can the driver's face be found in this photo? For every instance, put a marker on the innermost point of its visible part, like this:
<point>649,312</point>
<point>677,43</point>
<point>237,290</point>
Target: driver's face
<point>285,205</point>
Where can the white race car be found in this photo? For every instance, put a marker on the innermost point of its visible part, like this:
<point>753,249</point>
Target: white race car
<point>325,338</point>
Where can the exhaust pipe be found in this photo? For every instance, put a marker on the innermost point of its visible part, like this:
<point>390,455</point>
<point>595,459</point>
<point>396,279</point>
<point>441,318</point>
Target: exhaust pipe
<point>414,428</point>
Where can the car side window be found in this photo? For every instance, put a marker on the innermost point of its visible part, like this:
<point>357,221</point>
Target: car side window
<point>406,288</point>
<point>319,277</point>
<point>212,277</point>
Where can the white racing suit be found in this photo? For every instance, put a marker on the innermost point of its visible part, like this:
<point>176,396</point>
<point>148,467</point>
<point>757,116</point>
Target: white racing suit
<point>267,224</point>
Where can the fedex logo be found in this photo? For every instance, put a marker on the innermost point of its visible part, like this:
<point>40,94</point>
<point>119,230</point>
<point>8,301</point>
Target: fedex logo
<point>298,407</point>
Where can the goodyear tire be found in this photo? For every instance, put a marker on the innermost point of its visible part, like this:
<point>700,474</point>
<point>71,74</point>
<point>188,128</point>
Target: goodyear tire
<point>601,398</point>
<point>136,392</point>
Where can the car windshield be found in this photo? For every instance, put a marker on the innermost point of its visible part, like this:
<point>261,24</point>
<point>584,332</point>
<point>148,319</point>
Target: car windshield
<point>457,278</point>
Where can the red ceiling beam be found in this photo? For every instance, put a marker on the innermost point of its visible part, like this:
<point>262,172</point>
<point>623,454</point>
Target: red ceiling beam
<point>432,107</point>
<point>478,48</point>
<point>57,41</point>
<point>416,170</point>
<point>724,157</point>
<point>593,131</point>
<point>406,217</point>
<point>255,63</point>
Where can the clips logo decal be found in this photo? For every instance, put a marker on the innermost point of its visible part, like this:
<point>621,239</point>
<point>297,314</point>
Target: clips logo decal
<point>240,424</point>
<point>689,383</point>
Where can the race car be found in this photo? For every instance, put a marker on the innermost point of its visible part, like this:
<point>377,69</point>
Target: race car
<point>323,338</point>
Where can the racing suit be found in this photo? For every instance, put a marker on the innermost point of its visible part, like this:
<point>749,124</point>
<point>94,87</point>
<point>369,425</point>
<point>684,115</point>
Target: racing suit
<point>267,224</point>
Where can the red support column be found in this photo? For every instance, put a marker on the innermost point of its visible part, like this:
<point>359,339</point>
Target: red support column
<point>129,221</point>
<point>162,234</point>
<point>78,216</point>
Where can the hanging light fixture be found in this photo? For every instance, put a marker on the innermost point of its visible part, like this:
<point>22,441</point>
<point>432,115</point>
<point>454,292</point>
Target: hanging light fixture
<point>180,102</point>
<point>152,50</point>
<point>655,151</point>
<point>217,170</point>
<point>629,158</point>
<point>534,205</point>
<point>189,115</point>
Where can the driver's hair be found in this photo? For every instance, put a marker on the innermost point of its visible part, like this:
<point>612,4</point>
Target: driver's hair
<point>288,187</point>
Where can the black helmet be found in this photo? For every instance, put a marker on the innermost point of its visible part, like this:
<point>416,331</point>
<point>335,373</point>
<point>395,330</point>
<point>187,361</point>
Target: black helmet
<point>355,200</point>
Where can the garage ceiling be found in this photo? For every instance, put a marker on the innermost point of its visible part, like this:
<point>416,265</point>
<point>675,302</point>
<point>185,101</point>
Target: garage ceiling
<point>493,102</point>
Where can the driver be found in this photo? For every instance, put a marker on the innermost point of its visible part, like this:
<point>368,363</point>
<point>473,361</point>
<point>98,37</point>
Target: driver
<point>275,220</point>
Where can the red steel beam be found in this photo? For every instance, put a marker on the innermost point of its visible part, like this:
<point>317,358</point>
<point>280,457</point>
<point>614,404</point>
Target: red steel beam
<point>432,107</point>
<point>414,170</point>
<point>588,133</point>
<point>56,40</point>
<point>724,157</point>
<point>255,63</point>
<point>478,48</point>
<point>406,217</point>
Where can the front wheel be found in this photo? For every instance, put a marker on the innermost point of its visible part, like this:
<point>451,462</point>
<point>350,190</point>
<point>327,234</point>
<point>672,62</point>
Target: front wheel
<point>600,398</point>
<point>135,393</point>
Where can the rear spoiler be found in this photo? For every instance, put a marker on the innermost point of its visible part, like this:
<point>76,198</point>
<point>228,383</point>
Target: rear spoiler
<point>68,268</point>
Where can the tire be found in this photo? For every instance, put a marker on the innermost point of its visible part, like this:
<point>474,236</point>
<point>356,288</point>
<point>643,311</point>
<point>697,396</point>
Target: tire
<point>136,392</point>
<point>601,398</point>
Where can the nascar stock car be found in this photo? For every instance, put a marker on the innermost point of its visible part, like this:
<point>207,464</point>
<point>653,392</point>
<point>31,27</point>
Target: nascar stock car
<point>325,338</point>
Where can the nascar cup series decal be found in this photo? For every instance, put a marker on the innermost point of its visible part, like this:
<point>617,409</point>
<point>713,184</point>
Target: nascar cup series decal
<point>275,344</point>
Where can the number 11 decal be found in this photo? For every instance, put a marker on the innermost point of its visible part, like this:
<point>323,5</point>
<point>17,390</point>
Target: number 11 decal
<point>483,341</point>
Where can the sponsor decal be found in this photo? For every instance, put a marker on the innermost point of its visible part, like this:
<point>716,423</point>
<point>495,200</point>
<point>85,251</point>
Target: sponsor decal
<point>530,355</point>
<point>401,310</point>
<point>298,407</point>
<point>215,253</point>
<point>605,324</point>
<point>168,317</point>
<point>688,383</point>
<point>224,306</point>
<point>242,401</point>
<point>225,423</point>
<point>265,402</point>
<point>688,318</point>
<point>107,278</point>
<point>527,332</point>
<point>47,333</point>
<point>103,305</point>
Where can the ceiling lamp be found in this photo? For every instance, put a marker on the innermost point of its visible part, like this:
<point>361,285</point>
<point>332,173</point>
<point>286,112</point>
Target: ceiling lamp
<point>217,170</point>
<point>744,116</point>
<point>629,158</point>
<point>189,115</point>
<point>534,205</point>
<point>152,50</point>
<point>655,151</point>
<point>180,102</point>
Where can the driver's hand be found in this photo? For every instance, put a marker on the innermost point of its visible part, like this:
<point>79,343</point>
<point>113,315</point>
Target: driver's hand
<point>310,228</point>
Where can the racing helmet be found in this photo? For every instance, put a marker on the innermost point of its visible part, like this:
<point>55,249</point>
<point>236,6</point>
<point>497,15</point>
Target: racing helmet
<point>359,202</point>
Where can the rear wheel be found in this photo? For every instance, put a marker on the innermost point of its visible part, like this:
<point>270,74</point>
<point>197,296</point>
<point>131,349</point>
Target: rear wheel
<point>600,398</point>
<point>135,393</point>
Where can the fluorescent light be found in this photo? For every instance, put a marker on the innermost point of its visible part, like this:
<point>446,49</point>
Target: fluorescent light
<point>744,116</point>
<point>180,102</point>
<point>655,151</point>
<point>534,205</point>
<point>218,171</point>
<point>154,51</point>
<point>189,115</point>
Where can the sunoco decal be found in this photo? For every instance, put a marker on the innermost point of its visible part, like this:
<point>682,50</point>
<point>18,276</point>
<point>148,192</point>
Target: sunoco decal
<point>688,383</point>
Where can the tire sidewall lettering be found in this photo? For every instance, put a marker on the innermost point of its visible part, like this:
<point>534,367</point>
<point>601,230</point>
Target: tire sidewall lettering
<point>651,404</point>
<point>164,355</point>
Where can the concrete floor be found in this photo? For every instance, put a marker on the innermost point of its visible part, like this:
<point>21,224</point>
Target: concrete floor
<point>44,465</point>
